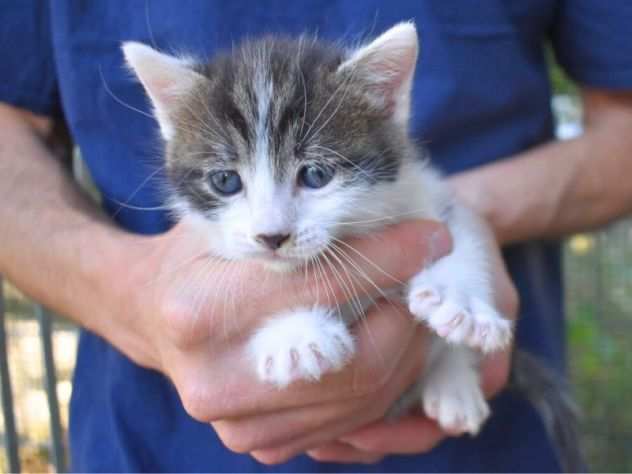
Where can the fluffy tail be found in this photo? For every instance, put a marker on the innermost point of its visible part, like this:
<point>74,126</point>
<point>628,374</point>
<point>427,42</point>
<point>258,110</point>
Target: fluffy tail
<point>551,397</point>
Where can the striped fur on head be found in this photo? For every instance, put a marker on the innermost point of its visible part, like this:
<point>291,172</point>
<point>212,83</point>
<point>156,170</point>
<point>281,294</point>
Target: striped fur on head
<point>267,111</point>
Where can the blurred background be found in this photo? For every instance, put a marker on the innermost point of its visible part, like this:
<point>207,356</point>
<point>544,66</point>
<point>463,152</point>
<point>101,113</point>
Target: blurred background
<point>598,275</point>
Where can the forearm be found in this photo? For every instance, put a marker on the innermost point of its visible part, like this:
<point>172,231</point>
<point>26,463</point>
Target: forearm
<point>562,187</point>
<point>56,246</point>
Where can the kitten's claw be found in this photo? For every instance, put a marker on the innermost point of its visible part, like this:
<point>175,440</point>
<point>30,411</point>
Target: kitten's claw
<point>459,318</point>
<point>300,345</point>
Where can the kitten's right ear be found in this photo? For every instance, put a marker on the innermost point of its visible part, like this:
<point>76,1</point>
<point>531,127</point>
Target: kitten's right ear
<point>166,79</point>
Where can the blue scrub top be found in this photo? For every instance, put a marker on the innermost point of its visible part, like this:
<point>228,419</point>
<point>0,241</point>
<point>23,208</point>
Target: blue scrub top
<point>481,94</point>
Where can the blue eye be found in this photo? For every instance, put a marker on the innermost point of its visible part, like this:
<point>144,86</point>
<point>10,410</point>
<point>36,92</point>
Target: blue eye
<point>226,182</point>
<point>315,177</point>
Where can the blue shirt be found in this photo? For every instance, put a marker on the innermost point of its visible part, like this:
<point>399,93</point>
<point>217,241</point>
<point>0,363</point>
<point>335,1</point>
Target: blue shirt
<point>481,94</point>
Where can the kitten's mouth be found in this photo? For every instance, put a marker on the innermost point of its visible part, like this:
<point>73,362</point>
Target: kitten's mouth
<point>279,262</point>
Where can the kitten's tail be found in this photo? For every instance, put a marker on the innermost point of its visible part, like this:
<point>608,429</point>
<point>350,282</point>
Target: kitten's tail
<point>550,395</point>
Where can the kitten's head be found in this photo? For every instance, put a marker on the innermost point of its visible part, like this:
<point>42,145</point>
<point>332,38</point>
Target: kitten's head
<point>280,146</point>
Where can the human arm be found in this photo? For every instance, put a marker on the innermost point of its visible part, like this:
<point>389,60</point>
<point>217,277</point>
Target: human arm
<point>55,243</point>
<point>560,187</point>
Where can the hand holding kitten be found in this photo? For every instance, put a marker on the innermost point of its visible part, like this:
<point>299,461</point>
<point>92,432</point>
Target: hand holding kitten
<point>195,326</point>
<point>417,433</point>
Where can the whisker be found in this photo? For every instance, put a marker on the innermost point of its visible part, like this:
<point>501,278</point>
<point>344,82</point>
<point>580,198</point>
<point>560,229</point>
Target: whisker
<point>355,267</point>
<point>119,100</point>
<point>363,274</point>
<point>362,319</point>
<point>345,288</point>
<point>391,217</point>
<point>350,289</point>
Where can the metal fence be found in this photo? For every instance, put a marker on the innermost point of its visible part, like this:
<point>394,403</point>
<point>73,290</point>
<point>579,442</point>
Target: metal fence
<point>11,439</point>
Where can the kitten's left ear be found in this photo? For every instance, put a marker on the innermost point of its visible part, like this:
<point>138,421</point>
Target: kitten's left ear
<point>386,66</point>
<point>166,79</point>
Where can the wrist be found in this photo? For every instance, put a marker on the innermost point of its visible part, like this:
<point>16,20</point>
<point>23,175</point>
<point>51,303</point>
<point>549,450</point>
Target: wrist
<point>468,190</point>
<point>111,274</point>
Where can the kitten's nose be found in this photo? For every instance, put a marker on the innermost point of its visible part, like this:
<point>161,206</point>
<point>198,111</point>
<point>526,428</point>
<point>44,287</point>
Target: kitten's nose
<point>272,241</point>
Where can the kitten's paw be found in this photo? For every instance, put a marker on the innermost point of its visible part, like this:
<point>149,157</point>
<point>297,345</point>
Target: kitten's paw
<point>300,345</point>
<point>455,402</point>
<point>459,318</point>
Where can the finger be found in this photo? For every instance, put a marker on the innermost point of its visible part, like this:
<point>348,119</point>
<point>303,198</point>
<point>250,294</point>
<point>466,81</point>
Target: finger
<point>495,370</point>
<point>219,300</point>
<point>408,435</point>
<point>358,267</point>
<point>287,433</point>
<point>381,340</point>
<point>505,293</point>
<point>366,265</point>
<point>339,452</point>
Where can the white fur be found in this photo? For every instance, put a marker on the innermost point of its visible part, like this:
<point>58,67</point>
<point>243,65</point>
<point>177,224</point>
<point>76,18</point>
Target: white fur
<point>301,344</point>
<point>454,296</point>
<point>451,391</point>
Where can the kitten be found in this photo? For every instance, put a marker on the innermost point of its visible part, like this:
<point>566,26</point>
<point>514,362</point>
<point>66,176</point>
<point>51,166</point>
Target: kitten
<point>283,147</point>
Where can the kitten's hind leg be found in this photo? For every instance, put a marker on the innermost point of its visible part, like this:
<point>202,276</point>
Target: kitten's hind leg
<point>302,344</point>
<point>450,391</point>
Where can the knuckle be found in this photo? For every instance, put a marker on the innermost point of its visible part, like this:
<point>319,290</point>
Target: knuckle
<point>513,301</point>
<point>496,373</point>
<point>184,324</point>
<point>242,435</point>
<point>196,400</point>
<point>509,300</point>
<point>233,438</point>
<point>498,380</point>
<point>318,455</point>
<point>270,457</point>
<point>176,316</point>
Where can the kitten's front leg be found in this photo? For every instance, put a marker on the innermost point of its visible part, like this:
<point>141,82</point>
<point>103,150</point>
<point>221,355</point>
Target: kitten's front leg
<point>454,296</point>
<point>301,344</point>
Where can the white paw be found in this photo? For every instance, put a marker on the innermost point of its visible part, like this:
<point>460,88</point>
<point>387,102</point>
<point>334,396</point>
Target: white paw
<point>455,402</point>
<point>300,345</point>
<point>457,317</point>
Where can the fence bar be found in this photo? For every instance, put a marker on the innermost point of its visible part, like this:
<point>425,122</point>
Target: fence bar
<point>45,325</point>
<point>10,432</point>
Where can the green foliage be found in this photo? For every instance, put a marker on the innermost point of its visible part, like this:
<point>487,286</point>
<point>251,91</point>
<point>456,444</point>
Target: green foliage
<point>560,81</point>
<point>599,296</point>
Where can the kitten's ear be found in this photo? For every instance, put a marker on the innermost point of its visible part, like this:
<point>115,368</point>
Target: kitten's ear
<point>166,79</point>
<point>387,66</point>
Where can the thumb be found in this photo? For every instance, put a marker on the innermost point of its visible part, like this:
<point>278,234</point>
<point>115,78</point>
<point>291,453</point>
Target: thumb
<point>363,266</point>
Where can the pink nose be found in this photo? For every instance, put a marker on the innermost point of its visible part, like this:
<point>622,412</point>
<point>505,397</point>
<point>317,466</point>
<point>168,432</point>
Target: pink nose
<point>272,241</point>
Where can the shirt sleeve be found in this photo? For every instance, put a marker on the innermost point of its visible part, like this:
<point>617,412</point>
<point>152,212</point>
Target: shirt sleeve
<point>27,76</point>
<point>593,41</point>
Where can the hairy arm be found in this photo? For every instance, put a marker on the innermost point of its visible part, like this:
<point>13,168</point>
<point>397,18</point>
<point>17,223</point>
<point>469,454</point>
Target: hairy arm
<point>561,187</point>
<point>56,246</point>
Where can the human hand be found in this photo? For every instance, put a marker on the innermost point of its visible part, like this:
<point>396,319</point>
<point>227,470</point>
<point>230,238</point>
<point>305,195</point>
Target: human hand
<point>195,314</point>
<point>416,433</point>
